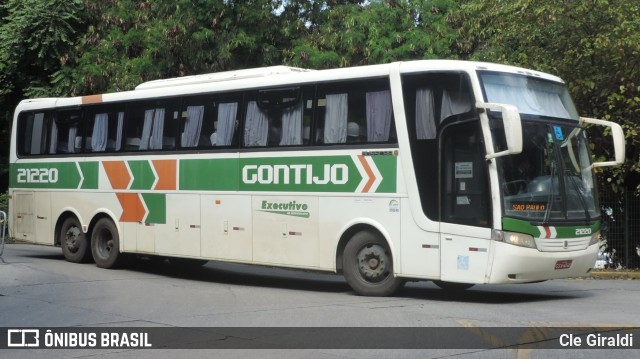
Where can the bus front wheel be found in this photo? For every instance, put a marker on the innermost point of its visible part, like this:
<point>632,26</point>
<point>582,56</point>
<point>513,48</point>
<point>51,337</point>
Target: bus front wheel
<point>368,265</point>
<point>74,243</point>
<point>105,244</point>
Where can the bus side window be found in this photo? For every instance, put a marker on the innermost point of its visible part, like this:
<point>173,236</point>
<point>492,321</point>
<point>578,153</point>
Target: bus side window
<point>355,112</point>
<point>432,99</point>
<point>208,121</point>
<point>65,135</point>
<point>278,117</point>
<point>152,125</point>
<point>104,129</point>
<point>32,133</point>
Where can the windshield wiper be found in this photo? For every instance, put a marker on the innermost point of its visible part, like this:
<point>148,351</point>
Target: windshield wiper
<point>550,199</point>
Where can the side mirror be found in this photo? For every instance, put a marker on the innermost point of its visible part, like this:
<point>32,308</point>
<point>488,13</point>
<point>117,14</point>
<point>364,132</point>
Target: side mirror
<point>512,128</point>
<point>618,140</point>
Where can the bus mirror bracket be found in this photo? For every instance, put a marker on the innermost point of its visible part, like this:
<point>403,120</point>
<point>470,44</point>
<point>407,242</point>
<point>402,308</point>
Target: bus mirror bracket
<point>512,128</point>
<point>618,140</point>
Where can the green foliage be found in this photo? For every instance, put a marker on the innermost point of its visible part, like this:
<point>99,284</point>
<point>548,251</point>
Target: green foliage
<point>381,31</point>
<point>34,38</point>
<point>34,35</point>
<point>593,45</point>
<point>128,42</point>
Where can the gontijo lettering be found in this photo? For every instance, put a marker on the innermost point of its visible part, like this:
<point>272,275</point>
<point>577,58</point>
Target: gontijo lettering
<point>296,174</point>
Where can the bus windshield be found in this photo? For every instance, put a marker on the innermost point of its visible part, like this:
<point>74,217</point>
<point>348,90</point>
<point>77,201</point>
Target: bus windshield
<point>552,179</point>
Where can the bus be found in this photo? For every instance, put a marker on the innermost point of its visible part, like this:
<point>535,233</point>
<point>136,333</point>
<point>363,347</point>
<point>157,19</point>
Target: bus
<point>456,172</point>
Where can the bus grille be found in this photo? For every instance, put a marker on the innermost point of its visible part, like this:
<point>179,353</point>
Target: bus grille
<point>562,244</point>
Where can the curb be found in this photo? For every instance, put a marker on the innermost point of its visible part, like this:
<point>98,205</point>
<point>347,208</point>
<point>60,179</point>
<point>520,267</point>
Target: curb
<point>612,274</point>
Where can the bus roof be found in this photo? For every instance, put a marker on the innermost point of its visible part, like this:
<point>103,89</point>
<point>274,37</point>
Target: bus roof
<point>221,76</point>
<point>272,76</point>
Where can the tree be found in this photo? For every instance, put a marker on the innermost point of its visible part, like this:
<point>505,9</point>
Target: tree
<point>128,42</point>
<point>34,37</point>
<point>355,33</point>
<point>593,45</point>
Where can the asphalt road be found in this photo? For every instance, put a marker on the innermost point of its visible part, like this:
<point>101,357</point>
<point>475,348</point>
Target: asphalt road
<point>38,288</point>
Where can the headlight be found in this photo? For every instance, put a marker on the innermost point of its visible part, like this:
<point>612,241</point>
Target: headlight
<point>517,239</point>
<point>595,238</point>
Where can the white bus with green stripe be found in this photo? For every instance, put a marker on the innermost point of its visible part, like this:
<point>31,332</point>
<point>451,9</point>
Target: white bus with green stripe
<point>457,172</point>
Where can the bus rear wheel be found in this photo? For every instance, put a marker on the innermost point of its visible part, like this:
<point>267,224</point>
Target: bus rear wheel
<point>368,266</point>
<point>105,244</point>
<point>74,243</point>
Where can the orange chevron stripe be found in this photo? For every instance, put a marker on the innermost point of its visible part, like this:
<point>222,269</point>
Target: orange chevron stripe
<point>118,174</point>
<point>372,176</point>
<point>166,170</point>
<point>132,207</point>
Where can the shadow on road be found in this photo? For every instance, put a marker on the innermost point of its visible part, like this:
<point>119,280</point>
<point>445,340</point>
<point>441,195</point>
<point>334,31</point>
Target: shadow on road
<point>269,277</point>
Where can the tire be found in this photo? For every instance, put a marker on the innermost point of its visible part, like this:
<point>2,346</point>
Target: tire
<point>451,286</point>
<point>105,245</point>
<point>74,243</point>
<point>368,266</point>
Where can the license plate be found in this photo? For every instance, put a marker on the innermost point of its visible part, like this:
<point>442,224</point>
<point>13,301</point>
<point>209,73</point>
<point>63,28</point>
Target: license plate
<point>564,264</point>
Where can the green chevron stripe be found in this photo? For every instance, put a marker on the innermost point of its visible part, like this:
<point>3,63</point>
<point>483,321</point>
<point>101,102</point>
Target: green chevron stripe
<point>143,176</point>
<point>157,207</point>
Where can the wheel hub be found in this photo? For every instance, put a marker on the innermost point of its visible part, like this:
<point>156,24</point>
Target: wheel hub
<point>71,239</point>
<point>372,263</point>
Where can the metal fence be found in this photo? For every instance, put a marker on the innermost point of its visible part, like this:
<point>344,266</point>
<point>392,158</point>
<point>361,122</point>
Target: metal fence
<point>620,227</point>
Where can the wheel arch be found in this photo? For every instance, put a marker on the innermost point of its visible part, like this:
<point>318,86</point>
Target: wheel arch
<point>358,225</point>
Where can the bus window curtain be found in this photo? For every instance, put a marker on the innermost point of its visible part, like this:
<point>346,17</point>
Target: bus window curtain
<point>335,118</point>
<point>227,113</point>
<point>454,103</point>
<point>538,102</point>
<point>74,141</point>
<point>425,116</point>
<point>292,126</point>
<point>256,126</point>
<point>119,131</point>
<point>155,142</point>
<point>550,103</point>
<point>146,129</point>
<point>53,145</point>
<point>152,129</point>
<point>379,114</point>
<point>193,126</point>
<point>100,132</point>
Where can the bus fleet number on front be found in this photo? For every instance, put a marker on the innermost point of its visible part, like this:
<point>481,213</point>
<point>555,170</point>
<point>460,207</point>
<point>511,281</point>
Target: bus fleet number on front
<point>37,175</point>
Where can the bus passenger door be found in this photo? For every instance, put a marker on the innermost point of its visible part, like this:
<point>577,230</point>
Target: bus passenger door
<point>465,209</point>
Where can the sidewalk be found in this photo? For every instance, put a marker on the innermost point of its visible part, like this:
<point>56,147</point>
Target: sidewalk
<point>628,274</point>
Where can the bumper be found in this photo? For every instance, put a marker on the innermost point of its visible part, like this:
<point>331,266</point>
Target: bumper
<point>513,264</point>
